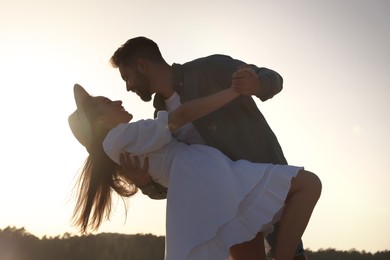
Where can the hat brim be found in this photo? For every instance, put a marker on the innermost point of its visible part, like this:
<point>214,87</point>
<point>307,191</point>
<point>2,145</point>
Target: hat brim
<point>78,121</point>
<point>80,94</point>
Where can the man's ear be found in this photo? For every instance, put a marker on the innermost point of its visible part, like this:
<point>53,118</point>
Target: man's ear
<point>142,65</point>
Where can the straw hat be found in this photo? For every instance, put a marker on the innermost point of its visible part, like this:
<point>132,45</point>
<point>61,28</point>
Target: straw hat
<point>78,121</point>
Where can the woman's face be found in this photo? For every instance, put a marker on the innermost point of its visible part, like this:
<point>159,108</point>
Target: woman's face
<point>112,113</point>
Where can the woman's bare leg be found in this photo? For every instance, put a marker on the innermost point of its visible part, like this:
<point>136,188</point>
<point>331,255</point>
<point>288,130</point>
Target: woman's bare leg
<point>250,250</point>
<point>304,193</point>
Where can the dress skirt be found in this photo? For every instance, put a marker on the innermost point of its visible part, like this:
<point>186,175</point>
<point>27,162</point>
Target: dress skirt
<point>214,203</point>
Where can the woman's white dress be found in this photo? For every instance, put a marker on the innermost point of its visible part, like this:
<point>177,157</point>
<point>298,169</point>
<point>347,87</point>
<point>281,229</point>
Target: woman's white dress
<point>213,202</point>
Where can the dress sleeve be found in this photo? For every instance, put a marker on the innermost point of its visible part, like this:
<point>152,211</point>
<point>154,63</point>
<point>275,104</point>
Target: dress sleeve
<point>141,137</point>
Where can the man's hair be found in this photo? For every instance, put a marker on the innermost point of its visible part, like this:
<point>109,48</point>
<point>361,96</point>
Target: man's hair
<point>139,47</point>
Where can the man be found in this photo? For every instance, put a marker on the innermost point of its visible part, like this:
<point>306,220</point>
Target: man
<point>239,129</point>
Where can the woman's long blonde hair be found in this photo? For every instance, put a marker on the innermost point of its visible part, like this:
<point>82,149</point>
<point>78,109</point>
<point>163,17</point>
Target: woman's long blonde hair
<point>98,178</point>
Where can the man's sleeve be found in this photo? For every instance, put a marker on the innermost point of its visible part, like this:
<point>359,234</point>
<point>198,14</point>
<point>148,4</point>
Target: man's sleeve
<point>154,191</point>
<point>222,67</point>
<point>271,82</point>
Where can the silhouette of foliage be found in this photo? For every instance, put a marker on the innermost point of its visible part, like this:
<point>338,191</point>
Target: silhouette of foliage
<point>352,254</point>
<point>18,244</point>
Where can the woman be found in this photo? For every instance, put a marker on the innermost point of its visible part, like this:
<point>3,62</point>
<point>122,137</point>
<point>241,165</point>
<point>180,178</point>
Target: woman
<point>213,203</point>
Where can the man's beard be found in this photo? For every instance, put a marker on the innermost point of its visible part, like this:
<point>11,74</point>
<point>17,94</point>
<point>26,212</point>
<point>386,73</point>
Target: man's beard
<point>143,87</point>
<point>144,94</point>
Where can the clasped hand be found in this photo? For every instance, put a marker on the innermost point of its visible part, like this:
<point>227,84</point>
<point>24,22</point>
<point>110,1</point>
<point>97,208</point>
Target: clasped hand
<point>245,81</point>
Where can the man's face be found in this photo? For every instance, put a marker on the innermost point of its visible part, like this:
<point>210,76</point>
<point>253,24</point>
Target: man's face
<point>136,82</point>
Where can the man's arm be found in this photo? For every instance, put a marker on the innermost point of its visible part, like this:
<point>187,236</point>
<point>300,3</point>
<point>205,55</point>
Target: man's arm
<point>140,177</point>
<point>220,68</point>
<point>247,76</point>
<point>271,83</point>
<point>154,191</point>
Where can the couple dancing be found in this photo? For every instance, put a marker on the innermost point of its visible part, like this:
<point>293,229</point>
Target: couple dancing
<point>209,150</point>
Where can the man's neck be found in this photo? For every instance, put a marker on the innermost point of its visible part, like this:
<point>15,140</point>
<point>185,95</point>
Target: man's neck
<point>165,84</point>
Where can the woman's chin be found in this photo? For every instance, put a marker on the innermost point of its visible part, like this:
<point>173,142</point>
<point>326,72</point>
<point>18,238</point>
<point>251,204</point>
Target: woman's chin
<point>130,117</point>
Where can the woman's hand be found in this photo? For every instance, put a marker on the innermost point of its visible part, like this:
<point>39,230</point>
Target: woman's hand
<point>245,81</point>
<point>133,171</point>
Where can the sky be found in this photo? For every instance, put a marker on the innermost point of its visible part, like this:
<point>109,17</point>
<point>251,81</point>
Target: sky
<point>333,115</point>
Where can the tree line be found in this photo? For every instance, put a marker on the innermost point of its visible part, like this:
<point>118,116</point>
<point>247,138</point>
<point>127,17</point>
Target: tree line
<point>18,244</point>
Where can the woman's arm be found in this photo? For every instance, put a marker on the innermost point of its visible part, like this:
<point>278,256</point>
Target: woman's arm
<point>200,107</point>
<point>245,81</point>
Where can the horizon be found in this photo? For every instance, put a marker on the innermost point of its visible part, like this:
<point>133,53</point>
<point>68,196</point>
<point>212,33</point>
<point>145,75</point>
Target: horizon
<point>67,235</point>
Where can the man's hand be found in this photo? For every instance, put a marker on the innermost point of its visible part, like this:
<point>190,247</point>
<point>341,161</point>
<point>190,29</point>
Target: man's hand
<point>132,170</point>
<point>245,81</point>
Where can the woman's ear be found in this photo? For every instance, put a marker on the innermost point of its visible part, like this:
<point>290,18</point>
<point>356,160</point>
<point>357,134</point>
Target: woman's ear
<point>101,122</point>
